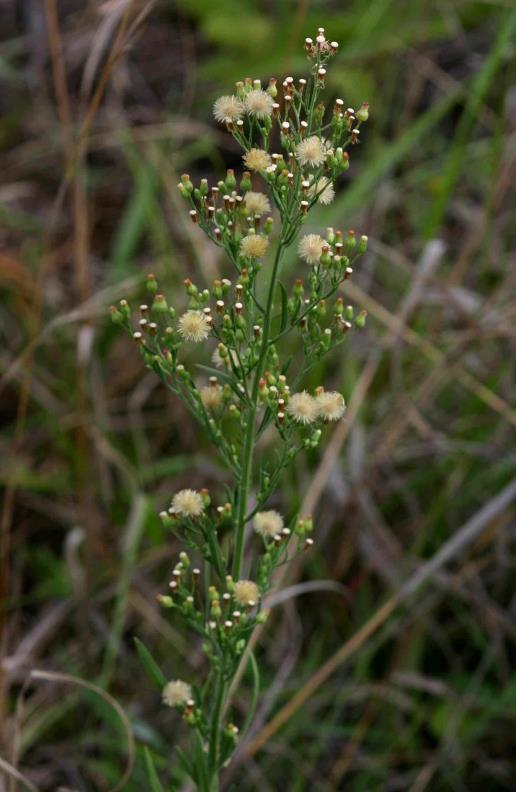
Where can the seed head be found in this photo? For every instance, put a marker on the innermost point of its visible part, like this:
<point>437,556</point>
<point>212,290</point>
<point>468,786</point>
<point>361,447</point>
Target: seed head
<point>330,405</point>
<point>257,159</point>
<point>302,408</point>
<point>246,592</point>
<point>257,203</point>
<point>324,189</point>
<point>311,247</point>
<point>211,396</point>
<point>194,326</point>
<point>311,151</point>
<point>176,692</point>
<point>268,523</point>
<point>228,109</point>
<point>253,246</point>
<point>187,503</point>
<point>259,104</point>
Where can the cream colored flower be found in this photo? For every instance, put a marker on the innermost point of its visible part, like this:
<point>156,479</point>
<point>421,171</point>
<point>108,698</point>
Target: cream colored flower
<point>254,246</point>
<point>257,203</point>
<point>268,523</point>
<point>324,189</point>
<point>211,396</point>
<point>310,248</point>
<point>176,692</point>
<point>228,109</point>
<point>311,151</point>
<point>246,592</point>
<point>257,159</point>
<point>302,408</point>
<point>258,103</point>
<point>188,503</point>
<point>330,405</point>
<point>194,326</point>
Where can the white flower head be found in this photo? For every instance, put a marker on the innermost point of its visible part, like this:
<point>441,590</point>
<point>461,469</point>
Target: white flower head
<point>268,523</point>
<point>257,159</point>
<point>176,692</point>
<point>246,592</point>
<point>312,151</point>
<point>302,408</point>
<point>259,104</point>
<point>330,405</point>
<point>228,109</point>
<point>194,326</point>
<point>257,203</point>
<point>254,246</point>
<point>310,248</point>
<point>324,189</point>
<point>188,503</point>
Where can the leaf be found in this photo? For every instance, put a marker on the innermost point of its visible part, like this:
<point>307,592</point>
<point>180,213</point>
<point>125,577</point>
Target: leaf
<point>153,670</point>
<point>155,783</point>
<point>284,307</point>
<point>186,765</point>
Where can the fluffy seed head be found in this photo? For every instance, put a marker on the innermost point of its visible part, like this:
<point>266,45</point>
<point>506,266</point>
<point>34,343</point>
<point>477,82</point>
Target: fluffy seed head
<point>176,692</point>
<point>211,396</point>
<point>188,503</point>
<point>194,326</point>
<point>302,408</point>
<point>257,203</point>
<point>257,159</point>
<point>228,109</point>
<point>311,151</point>
<point>254,246</point>
<point>323,188</point>
<point>310,248</point>
<point>268,523</point>
<point>258,103</point>
<point>330,405</point>
<point>246,592</point>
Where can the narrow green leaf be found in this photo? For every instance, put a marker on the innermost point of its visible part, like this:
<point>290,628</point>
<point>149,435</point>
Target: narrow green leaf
<point>153,670</point>
<point>155,783</point>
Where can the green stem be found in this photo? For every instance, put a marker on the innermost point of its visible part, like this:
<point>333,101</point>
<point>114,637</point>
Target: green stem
<point>248,445</point>
<point>220,695</point>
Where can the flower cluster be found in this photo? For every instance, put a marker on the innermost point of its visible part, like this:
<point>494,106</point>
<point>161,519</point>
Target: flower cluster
<point>294,149</point>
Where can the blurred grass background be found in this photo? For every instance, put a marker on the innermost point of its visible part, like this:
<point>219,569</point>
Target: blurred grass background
<point>103,105</point>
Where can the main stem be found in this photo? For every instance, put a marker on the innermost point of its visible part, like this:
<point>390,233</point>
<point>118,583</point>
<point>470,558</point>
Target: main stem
<point>248,445</point>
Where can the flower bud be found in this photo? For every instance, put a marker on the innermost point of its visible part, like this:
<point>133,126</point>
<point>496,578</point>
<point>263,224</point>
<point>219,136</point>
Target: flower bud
<point>362,113</point>
<point>362,244</point>
<point>159,304</point>
<point>152,284</point>
<point>361,319</point>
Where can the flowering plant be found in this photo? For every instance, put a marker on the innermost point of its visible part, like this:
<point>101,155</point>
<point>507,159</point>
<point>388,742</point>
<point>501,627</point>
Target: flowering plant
<point>251,389</point>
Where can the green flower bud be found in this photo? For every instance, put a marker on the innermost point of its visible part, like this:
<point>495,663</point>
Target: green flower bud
<point>165,601</point>
<point>152,284</point>
<point>124,309</point>
<point>230,180</point>
<point>245,182</point>
<point>362,114</point>
<point>186,183</point>
<point>116,316</point>
<point>361,319</point>
<point>159,304</point>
